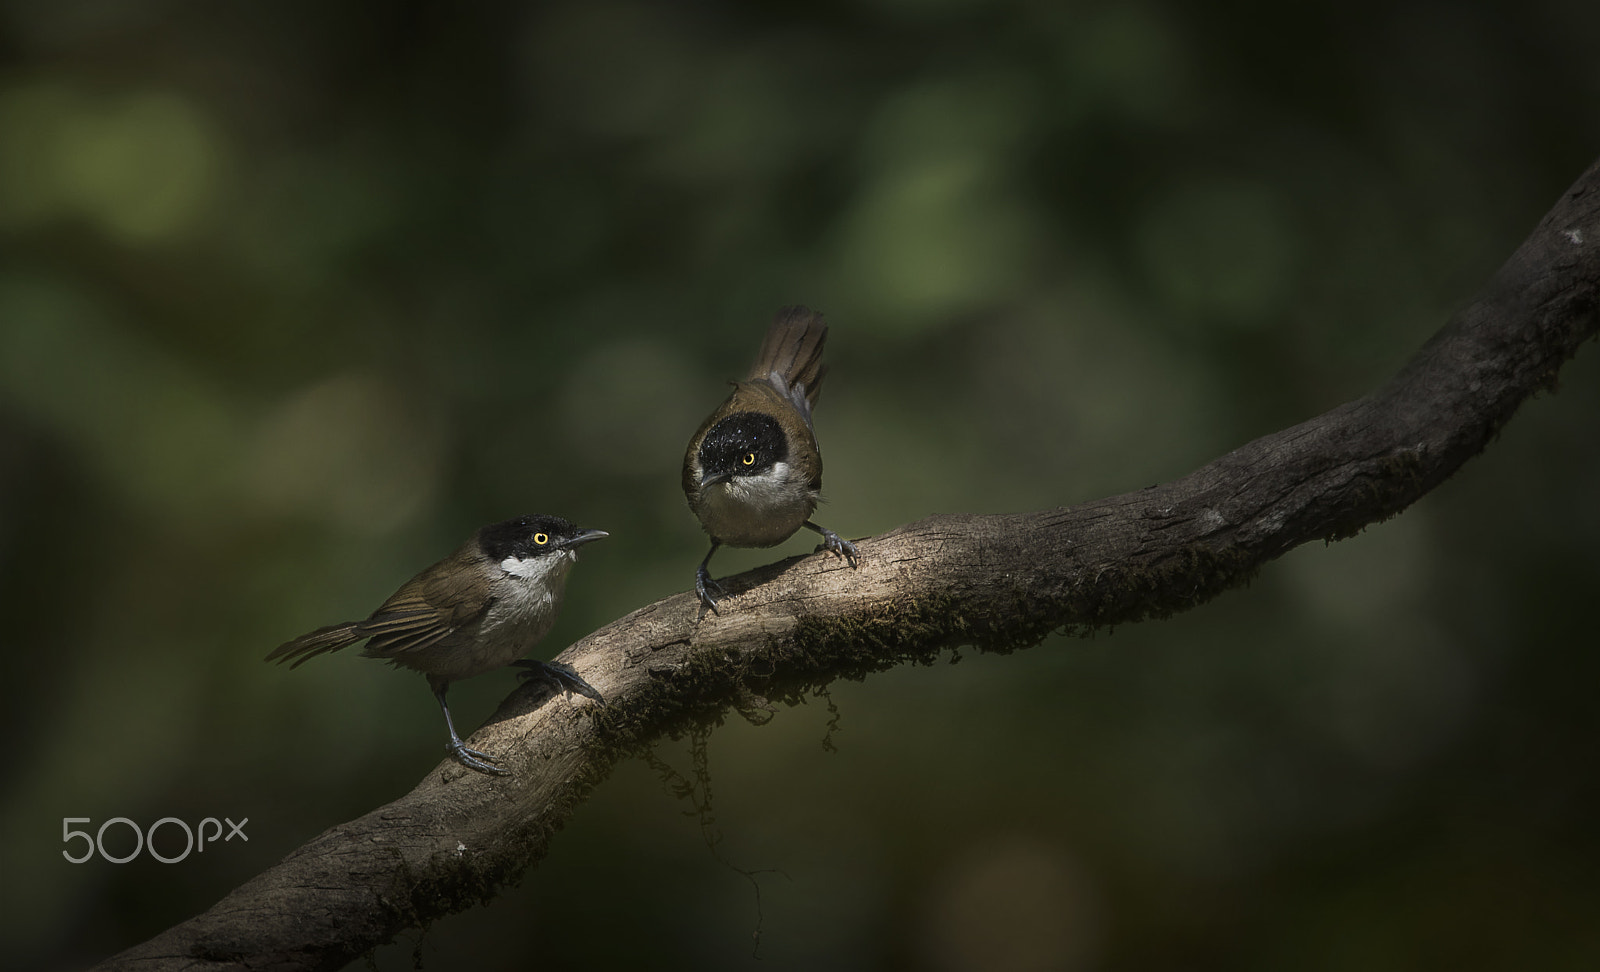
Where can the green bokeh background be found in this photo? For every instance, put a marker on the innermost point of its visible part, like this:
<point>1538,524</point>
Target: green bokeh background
<point>296,295</point>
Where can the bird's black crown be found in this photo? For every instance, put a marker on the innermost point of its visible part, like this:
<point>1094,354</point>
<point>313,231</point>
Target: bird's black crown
<point>743,444</point>
<point>521,536</point>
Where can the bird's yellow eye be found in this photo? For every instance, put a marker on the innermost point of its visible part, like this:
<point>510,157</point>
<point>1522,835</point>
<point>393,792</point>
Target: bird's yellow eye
<point>541,538</point>
<point>749,459</point>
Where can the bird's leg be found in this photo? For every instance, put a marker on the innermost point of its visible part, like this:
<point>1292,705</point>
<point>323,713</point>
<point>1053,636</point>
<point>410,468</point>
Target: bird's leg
<point>464,754</point>
<point>834,543</point>
<point>560,677</point>
<point>703,584</point>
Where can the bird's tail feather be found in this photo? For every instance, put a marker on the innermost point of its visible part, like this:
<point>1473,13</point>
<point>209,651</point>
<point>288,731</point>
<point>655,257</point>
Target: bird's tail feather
<point>320,641</point>
<point>793,351</point>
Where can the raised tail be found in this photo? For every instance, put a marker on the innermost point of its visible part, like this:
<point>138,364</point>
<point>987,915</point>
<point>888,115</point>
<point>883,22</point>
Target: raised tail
<point>793,352</point>
<point>309,646</point>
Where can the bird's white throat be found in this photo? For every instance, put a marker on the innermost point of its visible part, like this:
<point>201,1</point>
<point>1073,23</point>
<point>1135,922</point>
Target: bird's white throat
<point>757,511</point>
<point>533,568</point>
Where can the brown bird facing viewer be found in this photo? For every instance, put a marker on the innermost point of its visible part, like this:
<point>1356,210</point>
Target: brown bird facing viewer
<point>753,472</point>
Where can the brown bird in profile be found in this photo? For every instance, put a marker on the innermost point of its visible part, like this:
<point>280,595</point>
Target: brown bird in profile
<point>480,608</point>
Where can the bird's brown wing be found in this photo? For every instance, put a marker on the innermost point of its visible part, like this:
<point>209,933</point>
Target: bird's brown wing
<point>808,462</point>
<point>430,607</point>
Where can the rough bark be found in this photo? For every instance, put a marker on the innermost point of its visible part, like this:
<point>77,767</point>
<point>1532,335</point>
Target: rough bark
<point>998,582</point>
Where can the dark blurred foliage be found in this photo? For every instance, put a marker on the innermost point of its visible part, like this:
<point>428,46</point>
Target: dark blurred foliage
<point>295,295</point>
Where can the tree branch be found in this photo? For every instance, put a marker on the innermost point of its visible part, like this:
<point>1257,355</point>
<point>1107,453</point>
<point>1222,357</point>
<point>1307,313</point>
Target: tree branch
<point>997,582</point>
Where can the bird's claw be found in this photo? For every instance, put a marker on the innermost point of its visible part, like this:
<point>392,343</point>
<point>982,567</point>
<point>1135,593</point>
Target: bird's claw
<point>475,759</point>
<point>560,677</point>
<point>703,585</point>
<point>838,546</point>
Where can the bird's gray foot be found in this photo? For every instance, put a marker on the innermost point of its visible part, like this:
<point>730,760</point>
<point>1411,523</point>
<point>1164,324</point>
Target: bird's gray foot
<point>463,754</point>
<point>474,759</point>
<point>835,544</point>
<point>558,676</point>
<point>704,585</point>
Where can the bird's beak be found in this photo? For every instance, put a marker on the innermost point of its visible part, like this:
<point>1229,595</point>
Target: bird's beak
<point>585,537</point>
<point>715,478</point>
